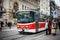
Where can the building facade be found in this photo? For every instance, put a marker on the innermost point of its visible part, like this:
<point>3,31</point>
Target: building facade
<point>9,5</point>
<point>23,4</point>
<point>45,7</point>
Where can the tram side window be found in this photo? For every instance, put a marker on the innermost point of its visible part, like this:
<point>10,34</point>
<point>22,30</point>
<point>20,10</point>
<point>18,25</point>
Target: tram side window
<point>41,18</point>
<point>32,16</point>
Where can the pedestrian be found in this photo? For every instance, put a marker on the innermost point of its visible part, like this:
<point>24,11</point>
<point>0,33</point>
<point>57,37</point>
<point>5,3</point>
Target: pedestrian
<point>1,24</point>
<point>46,27</point>
<point>49,27</point>
<point>56,21</point>
<point>59,24</point>
<point>9,24</point>
<point>6,24</point>
<point>53,31</point>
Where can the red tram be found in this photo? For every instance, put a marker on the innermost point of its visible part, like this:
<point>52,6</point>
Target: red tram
<point>29,21</point>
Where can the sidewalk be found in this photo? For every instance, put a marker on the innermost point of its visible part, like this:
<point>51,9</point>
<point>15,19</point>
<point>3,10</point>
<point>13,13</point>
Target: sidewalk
<point>8,29</point>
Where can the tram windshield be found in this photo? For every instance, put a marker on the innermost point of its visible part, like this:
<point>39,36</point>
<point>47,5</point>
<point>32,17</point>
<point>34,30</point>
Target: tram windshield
<point>25,17</point>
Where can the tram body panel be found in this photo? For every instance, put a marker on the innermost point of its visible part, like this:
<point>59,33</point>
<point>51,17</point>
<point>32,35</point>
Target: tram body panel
<point>28,27</point>
<point>41,26</point>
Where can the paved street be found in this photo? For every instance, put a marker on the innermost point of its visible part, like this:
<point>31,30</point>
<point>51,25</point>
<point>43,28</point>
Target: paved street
<point>12,34</point>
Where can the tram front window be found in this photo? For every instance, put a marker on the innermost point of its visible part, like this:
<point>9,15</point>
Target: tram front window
<point>24,17</point>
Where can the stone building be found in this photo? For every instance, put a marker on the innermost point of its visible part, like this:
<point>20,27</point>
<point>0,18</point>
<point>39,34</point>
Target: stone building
<point>45,7</point>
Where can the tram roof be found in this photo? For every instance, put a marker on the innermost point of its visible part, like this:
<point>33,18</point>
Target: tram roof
<point>27,10</point>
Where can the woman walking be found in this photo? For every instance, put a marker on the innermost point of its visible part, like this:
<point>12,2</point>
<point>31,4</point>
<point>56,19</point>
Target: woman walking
<point>54,27</point>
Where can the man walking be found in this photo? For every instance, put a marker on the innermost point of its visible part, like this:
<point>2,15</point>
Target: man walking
<point>9,24</point>
<point>1,25</point>
<point>59,24</point>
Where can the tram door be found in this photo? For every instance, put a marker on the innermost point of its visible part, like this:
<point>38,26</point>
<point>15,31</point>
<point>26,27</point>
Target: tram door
<point>36,19</point>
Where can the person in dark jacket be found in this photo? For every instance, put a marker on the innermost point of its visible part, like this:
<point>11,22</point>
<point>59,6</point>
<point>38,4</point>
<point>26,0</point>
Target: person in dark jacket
<point>9,24</point>
<point>6,23</point>
<point>59,24</point>
<point>1,25</point>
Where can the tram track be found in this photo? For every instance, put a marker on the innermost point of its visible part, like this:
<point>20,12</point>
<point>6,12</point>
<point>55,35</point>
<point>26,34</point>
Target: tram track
<point>20,36</point>
<point>30,36</point>
<point>12,37</point>
<point>15,36</point>
<point>8,36</point>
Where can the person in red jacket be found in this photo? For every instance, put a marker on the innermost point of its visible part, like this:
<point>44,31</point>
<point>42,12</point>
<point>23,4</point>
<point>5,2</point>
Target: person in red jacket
<point>49,27</point>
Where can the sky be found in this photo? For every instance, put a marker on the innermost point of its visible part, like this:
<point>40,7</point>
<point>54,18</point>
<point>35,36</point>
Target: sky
<point>57,2</point>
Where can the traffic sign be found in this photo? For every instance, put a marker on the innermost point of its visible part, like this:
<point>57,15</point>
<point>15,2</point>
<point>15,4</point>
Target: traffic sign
<point>55,14</point>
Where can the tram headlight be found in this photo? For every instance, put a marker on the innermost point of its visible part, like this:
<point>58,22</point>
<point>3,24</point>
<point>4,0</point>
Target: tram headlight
<point>26,26</point>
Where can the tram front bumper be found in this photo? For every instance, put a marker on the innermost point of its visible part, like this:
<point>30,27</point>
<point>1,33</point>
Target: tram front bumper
<point>27,30</point>
<point>19,29</point>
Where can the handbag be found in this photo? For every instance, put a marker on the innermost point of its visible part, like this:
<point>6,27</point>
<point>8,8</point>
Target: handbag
<point>53,30</point>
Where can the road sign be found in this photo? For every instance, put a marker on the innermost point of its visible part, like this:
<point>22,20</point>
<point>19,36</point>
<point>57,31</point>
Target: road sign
<point>55,14</point>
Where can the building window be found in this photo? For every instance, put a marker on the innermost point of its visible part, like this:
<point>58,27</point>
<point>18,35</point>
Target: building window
<point>29,0</point>
<point>1,5</point>
<point>25,7</point>
<point>22,7</point>
<point>15,6</point>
